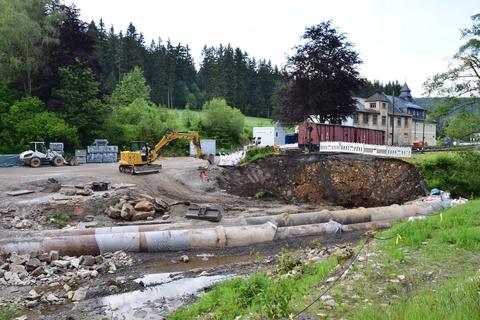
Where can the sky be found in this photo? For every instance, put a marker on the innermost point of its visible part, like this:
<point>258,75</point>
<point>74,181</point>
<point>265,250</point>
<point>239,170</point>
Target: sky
<point>404,40</point>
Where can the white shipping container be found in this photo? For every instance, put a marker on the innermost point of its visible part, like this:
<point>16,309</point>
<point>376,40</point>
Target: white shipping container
<point>208,147</point>
<point>268,136</point>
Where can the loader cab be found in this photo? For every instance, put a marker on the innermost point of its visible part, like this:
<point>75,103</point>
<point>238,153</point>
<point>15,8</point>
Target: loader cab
<point>38,147</point>
<point>142,147</point>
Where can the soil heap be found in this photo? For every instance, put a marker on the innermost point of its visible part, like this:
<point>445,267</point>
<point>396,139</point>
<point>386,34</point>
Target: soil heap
<point>347,180</point>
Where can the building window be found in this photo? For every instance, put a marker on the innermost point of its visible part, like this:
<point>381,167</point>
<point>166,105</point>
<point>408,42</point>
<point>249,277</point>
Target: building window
<point>405,135</point>
<point>355,118</point>
<point>384,105</point>
<point>365,118</point>
<point>406,122</point>
<point>399,122</point>
<point>374,119</point>
<point>373,105</point>
<point>384,121</point>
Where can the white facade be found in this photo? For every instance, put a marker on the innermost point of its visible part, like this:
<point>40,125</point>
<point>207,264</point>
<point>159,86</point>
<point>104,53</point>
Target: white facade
<point>268,136</point>
<point>430,133</point>
<point>208,147</point>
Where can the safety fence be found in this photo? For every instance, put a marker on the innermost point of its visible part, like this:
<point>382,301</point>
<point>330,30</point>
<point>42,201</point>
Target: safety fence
<point>371,149</point>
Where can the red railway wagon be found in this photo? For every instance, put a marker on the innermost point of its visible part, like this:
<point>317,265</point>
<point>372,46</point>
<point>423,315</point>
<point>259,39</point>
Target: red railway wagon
<point>313,133</point>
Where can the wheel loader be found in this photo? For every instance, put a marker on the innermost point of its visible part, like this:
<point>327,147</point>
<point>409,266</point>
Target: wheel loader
<point>39,154</point>
<point>140,158</point>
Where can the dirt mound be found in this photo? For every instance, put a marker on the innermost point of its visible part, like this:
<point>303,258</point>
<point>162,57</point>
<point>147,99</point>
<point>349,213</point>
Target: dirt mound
<point>329,179</point>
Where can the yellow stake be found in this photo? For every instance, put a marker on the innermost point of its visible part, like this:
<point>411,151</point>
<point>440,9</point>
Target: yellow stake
<point>441,217</point>
<point>399,237</point>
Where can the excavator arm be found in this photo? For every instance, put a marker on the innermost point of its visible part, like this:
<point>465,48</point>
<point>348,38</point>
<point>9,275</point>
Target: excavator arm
<point>171,135</point>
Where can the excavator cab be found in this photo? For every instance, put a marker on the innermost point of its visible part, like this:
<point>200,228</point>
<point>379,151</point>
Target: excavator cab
<point>142,147</point>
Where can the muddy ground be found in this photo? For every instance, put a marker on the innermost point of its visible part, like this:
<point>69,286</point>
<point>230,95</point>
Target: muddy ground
<point>156,283</point>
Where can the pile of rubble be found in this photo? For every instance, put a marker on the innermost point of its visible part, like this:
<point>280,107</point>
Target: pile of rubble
<point>144,207</point>
<point>57,275</point>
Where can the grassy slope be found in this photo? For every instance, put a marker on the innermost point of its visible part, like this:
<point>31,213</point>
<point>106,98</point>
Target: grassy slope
<point>426,275</point>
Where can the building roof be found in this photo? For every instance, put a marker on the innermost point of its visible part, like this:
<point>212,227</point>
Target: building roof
<point>361,106</point>
<point>379,96</point>
<point>405,93</point>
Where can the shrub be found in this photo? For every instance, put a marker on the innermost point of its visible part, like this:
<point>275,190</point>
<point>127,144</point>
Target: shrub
<point>257,153</point>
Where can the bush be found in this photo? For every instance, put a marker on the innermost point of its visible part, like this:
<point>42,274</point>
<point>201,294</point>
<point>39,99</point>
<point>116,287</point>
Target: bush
<point>458,173</point>
<point>222,123</point>
<point>256,153</point>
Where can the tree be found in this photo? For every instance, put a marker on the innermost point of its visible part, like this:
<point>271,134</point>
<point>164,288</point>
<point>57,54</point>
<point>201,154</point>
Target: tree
<point>463,77</point>
<point>26,28</point>
<point>132,86</point>
<point>460,85</point>
<point>27,121</point>
<point>323,75</point>
<point>77,101</point>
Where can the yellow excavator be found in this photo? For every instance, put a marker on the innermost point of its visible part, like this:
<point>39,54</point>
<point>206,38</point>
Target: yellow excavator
<point>140,158</point>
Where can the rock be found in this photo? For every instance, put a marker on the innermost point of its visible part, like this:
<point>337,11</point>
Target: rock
<point>32,264</point>
<point>401,277</point>
<point>165,217</point>
<point>66,287</point>
<point>161,205</point>
<point>24,224</point>
<point>144,205</point>
<point>80,294</point>
<point>85,192</point>
<point>38,271</point>
<point>75,262</point>
<point>43,257</point>
<point>8,275</point>
<point>104,267</point>
<point>60,263</point>
<point>127,211</point>
<point>70,192</point>
<point>19,258</point>
<point>140,314</point>
<point>114,213</point>
<point>32,294</point>
<point>94,273</point>
<point>31,304</point>
<point>99,259</point>
<point>184,258</point>
<point>17,268</point>
<point>5,266</point>
<point>147,197</point>
<point>89,218</point>
<point>112,267</point>
<point>70,294</point>
<point>143,215</point>
<point>51,297</point>
<point>53,255</point>
<point>88,260</point>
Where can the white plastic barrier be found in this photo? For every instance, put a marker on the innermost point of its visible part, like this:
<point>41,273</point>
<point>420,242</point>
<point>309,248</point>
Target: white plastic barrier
<point>372,149</point>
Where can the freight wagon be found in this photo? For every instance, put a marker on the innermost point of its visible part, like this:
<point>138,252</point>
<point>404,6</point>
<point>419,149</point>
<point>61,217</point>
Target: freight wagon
<point>311,134</point>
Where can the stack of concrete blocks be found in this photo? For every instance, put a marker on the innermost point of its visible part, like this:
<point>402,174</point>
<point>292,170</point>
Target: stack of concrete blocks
<point>56,146</point>
<point>81,156</point>
<point>101,152</point>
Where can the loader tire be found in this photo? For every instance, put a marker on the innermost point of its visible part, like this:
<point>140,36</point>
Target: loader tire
<point>57,161</point>
<point>35,162</point>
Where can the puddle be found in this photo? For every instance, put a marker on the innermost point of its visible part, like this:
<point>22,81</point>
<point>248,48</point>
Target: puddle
<point>163,292</point>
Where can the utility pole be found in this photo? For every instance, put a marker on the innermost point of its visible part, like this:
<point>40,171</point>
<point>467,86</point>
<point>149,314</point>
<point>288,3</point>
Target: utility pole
<point>423,134</point>
<point>393,116</point>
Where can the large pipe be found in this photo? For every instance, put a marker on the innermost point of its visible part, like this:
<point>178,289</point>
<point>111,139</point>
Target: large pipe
<point>153,241</point>
<point>349,216</point>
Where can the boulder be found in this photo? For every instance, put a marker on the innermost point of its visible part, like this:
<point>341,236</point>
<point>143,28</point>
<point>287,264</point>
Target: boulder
<point>147,197</point>
<point>127,211</point>
<point>143,215</point>
<point>32,264</point>
<point>38,271</point>
<point>80,294</point>
<point>88,260</point>
<point>60,263</point>
<point>113,212</point>
<point>161,205</point>
<point>19,258</point>
<point>144,205</point>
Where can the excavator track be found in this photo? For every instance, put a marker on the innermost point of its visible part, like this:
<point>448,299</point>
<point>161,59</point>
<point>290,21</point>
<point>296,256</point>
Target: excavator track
<point>140,169</point>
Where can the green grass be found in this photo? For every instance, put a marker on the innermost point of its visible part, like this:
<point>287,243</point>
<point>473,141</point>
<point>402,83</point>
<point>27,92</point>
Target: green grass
<point>261,295</point>
<point>9,312</point>
<point>256,153</point>
<point>455,299</point>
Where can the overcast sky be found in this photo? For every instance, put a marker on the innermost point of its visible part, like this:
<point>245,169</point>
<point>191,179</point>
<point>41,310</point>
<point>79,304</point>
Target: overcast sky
<point>397,39</point>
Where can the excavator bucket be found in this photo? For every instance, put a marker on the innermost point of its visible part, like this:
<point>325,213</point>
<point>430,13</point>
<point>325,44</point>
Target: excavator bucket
<point>205,213</point>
